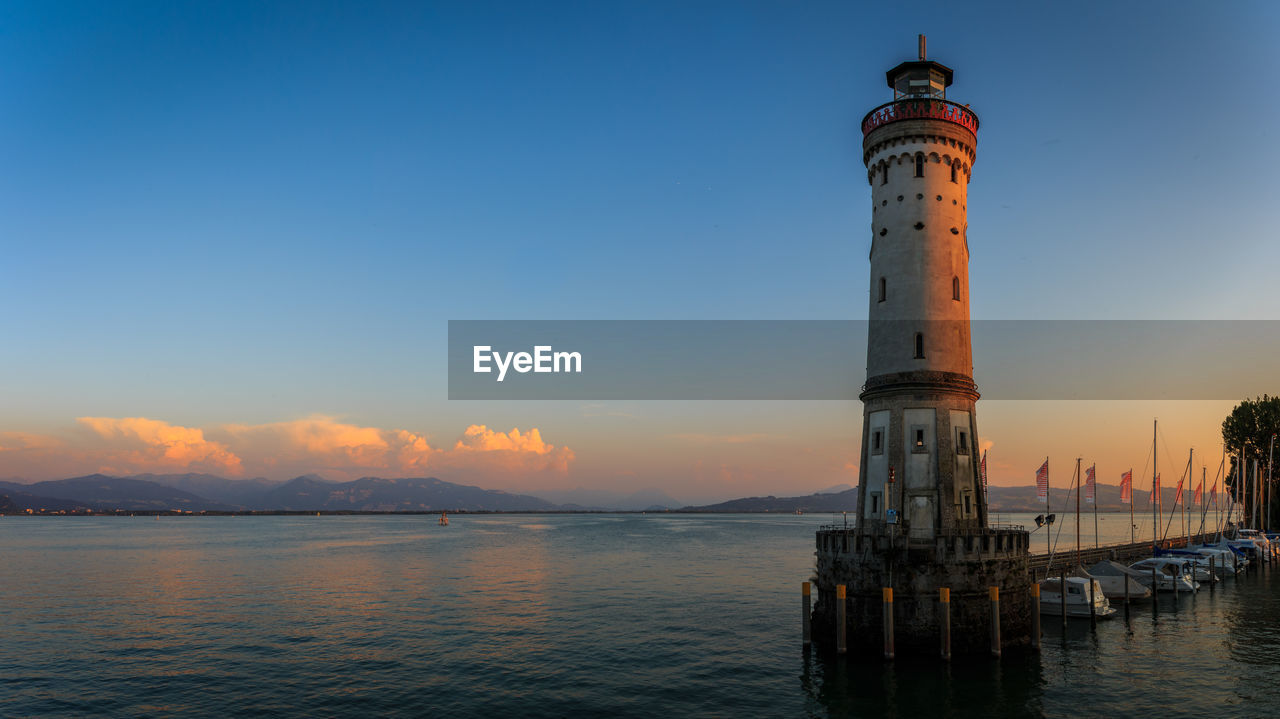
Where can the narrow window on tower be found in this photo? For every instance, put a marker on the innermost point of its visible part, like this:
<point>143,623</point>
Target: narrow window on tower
<point>955,288</point>
<point>919,345</point>
<point>962,443</point>
<point>919,439</point>
<point>877,442</point>
<point>882,289</point>
<point>919,165</point>
<point>968,504</point>
<point>953,171</point>
<point>884,180</point>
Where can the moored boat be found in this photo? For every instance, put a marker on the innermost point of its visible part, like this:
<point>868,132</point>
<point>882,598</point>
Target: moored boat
<point>1077,598</point>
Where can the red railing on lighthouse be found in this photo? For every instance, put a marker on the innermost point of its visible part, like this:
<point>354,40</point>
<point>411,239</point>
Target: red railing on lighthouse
<point>920,108</point>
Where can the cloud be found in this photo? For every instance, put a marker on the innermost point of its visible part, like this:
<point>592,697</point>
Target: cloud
<point>512,449</point>
<point>316,444</point>
<point>143,443</point>
<point>19,441</point>
<point>320,443</point>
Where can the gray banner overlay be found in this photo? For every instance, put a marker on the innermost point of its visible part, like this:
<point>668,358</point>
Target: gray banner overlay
<point>826,359</point>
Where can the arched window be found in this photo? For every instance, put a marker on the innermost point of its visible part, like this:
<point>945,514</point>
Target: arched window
<point>885,179</point>
<point>882,289</point>
<point>920,165</point>
<point>919,345</point>
<point>953,171</point>
<point>955,288</point>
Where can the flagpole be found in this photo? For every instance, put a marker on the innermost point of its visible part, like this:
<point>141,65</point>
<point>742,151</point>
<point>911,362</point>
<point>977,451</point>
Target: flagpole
<point>1094,491</point>
<point>1186,526</point>
<point>1132,539</point>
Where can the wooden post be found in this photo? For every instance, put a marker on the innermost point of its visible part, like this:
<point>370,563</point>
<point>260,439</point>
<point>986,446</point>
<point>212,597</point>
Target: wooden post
<point>1062,598</point>
<point>804,599</point>
<point>1093,613</point>
<point>1035,616</point>
<point>840,602</point>
<point>887,595</point>
<point>944,612</point>
<point>995,620</point>
<point>1155,589</point>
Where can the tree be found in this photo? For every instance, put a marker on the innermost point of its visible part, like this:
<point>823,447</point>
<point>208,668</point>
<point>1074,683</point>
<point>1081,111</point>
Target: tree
<point>1248,430</point>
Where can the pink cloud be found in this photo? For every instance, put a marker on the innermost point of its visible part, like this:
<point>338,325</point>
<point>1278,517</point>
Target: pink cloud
<point>144,443</point>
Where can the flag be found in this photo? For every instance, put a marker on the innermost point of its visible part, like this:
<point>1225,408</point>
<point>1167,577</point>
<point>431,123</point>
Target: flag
<point>1090,489</point>
<point>1042,482</point>
<point>983,469</point>
<point>1126,487</point>
<point>1199,497</point>
<point>1213,493</point>
<point>1177,493</point>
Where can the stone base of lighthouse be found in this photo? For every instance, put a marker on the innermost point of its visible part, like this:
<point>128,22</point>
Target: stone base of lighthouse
<point>967,563</point>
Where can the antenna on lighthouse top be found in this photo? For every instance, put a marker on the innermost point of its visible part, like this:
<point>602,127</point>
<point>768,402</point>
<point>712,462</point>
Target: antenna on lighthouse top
<point>922,46</point>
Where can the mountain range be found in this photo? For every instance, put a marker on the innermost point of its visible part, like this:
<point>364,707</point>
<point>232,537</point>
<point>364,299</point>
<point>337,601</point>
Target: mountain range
<point>206,492</point>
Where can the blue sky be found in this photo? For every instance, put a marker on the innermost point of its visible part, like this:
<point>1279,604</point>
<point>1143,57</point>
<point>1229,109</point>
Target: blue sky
<point>251,213</point>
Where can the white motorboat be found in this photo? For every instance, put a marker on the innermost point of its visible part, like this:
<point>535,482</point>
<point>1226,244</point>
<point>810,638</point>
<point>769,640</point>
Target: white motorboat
<point>1077,597</point>
<point>1171,574</point>
<point>1113,576</point>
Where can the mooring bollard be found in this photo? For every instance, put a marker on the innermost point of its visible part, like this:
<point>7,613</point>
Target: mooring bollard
<point>804,599</point>
<point>944,611</point>
<point>1062,598</point>
<point>995,620</point>
<point>887,593</point>
<point>840,601</point>
<point>1093,612</point>
<point>1035,616</point>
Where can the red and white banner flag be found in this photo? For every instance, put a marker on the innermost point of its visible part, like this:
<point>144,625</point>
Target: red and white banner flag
<point>1126,487</point>
<point>1177,493</point>
<point>1213,493</point>
<point>1042,482</point>
<point>983,469</point>
<point>1090,488</point>
<point>1199,493</point>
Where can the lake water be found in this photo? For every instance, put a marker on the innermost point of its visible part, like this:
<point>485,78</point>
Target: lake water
<point>542,615</point>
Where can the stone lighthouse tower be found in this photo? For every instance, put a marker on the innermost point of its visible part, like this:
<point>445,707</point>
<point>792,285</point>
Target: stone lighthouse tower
<point>922,515</point>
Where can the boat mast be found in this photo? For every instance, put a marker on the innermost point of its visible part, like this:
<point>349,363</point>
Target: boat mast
<point>1078,460</point>
<point>1155,486</point>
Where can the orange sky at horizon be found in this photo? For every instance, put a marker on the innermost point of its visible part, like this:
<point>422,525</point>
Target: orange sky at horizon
<point>774,448</point>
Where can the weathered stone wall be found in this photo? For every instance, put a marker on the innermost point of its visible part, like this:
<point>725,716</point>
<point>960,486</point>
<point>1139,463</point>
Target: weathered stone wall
<point>966,564</point>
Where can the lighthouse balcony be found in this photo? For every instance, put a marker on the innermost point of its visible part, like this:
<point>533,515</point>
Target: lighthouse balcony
<point>919,108</point>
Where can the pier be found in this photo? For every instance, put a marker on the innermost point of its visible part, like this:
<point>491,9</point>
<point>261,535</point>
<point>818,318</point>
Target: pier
<point>1038,564</point>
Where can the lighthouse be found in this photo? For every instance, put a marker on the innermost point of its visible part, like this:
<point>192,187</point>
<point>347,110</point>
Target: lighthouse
<point>922,520</point>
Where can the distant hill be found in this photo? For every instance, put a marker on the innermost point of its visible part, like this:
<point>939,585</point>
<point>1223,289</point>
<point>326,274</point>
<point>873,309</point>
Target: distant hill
<point>102,492</point>
<point>377,494</point>
<point>231,492</point>
<point>8,506</point>
<point>846,501</point>
<point>595,499</point>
